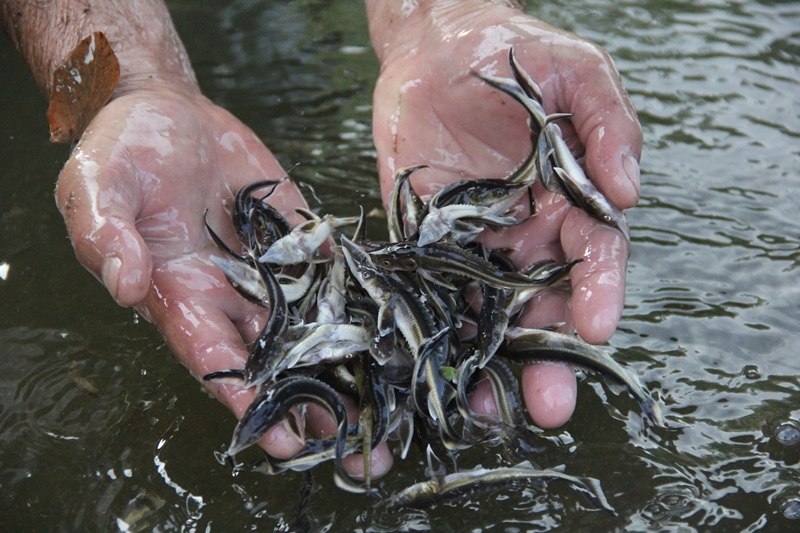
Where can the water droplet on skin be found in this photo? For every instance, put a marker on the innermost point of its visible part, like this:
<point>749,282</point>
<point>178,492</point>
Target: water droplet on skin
<point>791,509</point>
<point>788,434</point>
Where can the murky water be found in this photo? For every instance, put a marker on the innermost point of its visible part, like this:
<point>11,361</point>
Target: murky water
<point>96,417</point>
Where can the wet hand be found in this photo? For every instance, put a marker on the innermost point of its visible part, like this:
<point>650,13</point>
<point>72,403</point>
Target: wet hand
<point>430,110</point>
<point>133,195</point>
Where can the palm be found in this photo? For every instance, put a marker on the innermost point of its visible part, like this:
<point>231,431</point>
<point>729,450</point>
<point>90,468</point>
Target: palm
<point>133,195</point>
<point>430,110</point>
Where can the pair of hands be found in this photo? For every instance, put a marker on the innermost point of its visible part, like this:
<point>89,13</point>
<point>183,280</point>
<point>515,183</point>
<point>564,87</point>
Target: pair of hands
<point>153,160</point>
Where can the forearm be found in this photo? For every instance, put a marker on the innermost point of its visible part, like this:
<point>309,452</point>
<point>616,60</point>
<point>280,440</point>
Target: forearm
<point>390,19</point>
<point>141,34</point>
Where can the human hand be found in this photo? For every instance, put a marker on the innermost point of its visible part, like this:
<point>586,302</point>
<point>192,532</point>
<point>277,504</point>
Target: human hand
<point>133,195</point>
<point>429,110</point>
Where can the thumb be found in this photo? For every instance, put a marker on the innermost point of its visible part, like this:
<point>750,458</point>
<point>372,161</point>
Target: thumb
<point>99,203</point>
<point>606,122</point>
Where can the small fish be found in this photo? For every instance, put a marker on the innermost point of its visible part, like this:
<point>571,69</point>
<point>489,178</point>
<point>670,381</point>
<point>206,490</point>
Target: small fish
<point>508,428</point>
<point>443,257</point>
<point>245,278</point>
<point>272,404</point>
<point>403,200</point>
<point>579,190</point>
<point>413,319</point>
<point>269,349</point>
<point>459,484</point>
<point>303,242</point>
<point>332,302</point>
<point>139,509</point>
<point>256,223</point>
<point>80,381</point>
<point>493,320</point>
<point>429,392</point>
<point>549,274</point>
<point>374,417</point>
<point>462,209</point>
<point>479,192</point>
<point>528,345</point>
<point>326,344</point>
<point>368,313</point>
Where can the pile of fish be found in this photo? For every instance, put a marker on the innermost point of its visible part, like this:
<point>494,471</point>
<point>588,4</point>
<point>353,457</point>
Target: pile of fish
<point>392,324</point>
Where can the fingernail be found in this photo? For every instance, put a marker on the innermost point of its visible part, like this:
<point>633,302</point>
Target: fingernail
<point>381,462</point>
<point>110,272</point>
<point>631,167</point>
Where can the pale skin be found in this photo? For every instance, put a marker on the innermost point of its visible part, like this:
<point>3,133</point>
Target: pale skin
<point>159,154</point>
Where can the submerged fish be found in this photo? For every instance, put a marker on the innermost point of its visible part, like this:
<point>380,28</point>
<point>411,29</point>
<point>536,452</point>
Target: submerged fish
<point>459,484</point>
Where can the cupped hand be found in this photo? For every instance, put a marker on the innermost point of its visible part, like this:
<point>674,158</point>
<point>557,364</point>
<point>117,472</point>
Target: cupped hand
<point>429,109</point>
<point>133,195</point>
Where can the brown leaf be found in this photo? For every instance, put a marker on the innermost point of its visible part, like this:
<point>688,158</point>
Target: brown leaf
<point>81,87</point>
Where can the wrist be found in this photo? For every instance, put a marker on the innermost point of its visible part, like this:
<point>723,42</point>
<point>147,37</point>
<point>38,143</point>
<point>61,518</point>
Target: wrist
<point>141,35</point>
<point>398,25</point>
<point>164,64</point>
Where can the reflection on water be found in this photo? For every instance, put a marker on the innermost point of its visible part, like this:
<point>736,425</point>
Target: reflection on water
<point>100,429</point>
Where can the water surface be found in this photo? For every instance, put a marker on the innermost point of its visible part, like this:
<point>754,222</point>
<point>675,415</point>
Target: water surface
<point>96,416</point>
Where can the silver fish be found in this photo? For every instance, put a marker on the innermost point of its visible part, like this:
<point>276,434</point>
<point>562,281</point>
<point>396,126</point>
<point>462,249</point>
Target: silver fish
<point>464,222</point>
<point>443,257</point>
<point>413,320</point>
<point>331,304</point>
<point>403,200</point>
<point>577,188</point>
<point>327,344</point>
<point>249,282</point>
<point>458,484</point>
<point>429,389</point>
<point>303,242</point>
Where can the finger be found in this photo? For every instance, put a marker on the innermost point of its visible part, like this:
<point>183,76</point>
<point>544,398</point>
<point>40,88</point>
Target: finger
<point>550,390</point>
<point>537,239</point>
<point>381,461</point>
<point>606,123</point>
<point>99,202</point>
<point>598,283</point>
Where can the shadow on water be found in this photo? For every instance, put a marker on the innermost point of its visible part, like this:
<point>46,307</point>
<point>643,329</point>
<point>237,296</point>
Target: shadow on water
<point>100,426</point>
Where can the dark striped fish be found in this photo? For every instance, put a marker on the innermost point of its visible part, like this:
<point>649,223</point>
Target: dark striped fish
<point>529,345</point>
<point>460,484</point>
